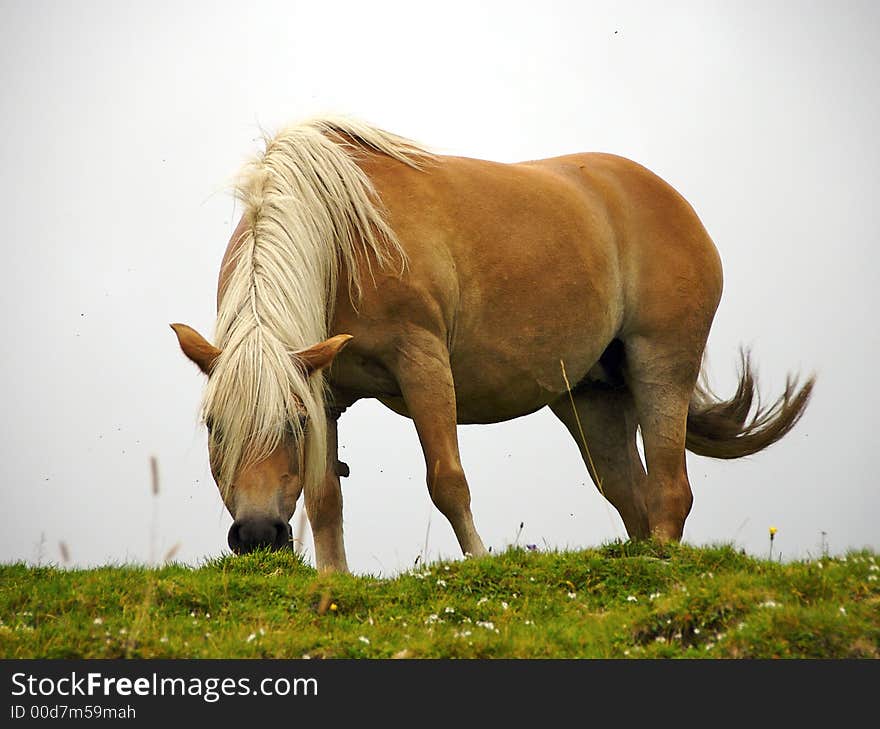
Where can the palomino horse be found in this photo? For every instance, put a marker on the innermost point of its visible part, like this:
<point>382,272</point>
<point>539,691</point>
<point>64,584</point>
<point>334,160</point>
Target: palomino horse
<point>456,290</point>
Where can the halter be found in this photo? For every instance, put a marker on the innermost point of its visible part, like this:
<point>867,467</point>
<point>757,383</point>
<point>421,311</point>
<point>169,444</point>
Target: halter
<point>333,412</point>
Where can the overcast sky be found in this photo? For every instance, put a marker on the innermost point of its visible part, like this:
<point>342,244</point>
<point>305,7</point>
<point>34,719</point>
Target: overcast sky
<point>124,122</point>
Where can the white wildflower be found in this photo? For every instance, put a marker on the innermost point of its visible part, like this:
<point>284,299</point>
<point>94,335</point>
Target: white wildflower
<point>364,639</point>
<point>482,600</point>
<point>251,638</point>
<point>504,605</point>
<point>449,610</point>
<point>572,595</point>
<point>441,583</point>
<point>632,598</point>
<point>98,621</point>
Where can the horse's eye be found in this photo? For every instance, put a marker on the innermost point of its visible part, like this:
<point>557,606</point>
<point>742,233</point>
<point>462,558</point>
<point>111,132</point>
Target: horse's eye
<point>301,420</point>
<point>213,430</point>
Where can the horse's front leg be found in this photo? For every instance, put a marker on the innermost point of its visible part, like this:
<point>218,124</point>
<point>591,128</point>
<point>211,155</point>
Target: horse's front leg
<point>325,510</point>
<point>425,379</point>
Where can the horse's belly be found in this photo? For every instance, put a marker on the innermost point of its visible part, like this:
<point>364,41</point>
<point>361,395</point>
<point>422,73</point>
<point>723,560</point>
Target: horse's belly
<point>505,377</point>
<point>492,385</point>
<point>502,399</point>
<point>485,405</point>
<point>522,338</point>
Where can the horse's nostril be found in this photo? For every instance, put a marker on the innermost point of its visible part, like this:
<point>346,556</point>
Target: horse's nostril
<point>246,535</point>
<point>234,539</point>
<point>283,535</point>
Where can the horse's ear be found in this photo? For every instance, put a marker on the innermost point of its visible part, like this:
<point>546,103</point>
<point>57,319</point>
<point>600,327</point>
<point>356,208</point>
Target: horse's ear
<point>321,355</point>
<point>196,347</point>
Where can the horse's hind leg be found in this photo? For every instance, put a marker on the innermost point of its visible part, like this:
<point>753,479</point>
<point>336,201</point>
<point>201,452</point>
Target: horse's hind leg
<point>662,375</point>
<point>608,419</point>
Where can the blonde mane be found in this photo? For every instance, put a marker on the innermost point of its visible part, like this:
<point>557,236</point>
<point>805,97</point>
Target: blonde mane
<point>309,209</point>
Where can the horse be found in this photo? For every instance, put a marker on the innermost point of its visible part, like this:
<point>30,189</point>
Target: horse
<point>457,290</point>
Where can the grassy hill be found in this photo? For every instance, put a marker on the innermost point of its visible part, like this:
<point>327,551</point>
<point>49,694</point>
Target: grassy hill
<point>621,600</point>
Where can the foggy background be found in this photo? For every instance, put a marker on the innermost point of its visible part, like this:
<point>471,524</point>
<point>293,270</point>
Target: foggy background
<point>123,124</point>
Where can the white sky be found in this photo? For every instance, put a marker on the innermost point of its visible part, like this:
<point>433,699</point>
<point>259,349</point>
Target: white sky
<point>123,123</point>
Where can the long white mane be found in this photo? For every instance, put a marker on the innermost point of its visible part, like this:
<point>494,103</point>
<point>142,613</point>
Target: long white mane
<point>309,212</point>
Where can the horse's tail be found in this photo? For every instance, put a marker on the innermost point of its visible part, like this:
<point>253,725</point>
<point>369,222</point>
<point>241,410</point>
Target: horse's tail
<point>723,429</point>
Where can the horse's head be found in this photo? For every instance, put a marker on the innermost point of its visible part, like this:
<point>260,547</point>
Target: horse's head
<point>260,485</point>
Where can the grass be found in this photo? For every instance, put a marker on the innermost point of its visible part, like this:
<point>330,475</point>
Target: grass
<point>635,600</point>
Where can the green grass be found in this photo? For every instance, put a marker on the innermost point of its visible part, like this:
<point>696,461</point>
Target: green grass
<point>622,600</point>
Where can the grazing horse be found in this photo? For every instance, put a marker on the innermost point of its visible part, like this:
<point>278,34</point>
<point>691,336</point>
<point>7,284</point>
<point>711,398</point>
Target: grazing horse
<point>458,290</point>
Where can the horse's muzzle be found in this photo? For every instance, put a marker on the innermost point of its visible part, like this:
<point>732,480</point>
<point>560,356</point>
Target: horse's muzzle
<point>246,535</point>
